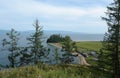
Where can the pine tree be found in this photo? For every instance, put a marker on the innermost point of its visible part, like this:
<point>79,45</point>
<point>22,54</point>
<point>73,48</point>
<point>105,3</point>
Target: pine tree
<point>12,42</point>
<point>56,55</point>
<point>25,56</point>
<point>68,44</point>
<point>111,43</point>
<point>35,41</point>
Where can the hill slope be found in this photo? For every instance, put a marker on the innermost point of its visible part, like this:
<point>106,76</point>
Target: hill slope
<point>58,71</point>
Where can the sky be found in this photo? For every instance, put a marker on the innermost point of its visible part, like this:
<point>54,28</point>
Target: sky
<point>67,15</point>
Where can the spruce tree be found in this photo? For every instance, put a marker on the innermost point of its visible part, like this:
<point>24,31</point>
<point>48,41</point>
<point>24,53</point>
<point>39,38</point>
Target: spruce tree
<point>68,44</point>
<point>56,55</point>
<point>111,42</point>
<point>35,41</point>
<point>25,56</point>
<point>12,42</point>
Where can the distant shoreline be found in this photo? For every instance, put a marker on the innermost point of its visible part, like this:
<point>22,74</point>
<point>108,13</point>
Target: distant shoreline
<point>55,44</point>
<point>89,41</point>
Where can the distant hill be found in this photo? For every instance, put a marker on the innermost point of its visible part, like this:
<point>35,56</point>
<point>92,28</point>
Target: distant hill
<point>76,36</point>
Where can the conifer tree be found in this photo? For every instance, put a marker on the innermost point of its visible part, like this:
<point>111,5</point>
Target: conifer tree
<point>68,44</point>
<point>56,55</point>
<point>111,42</point>
<point>25,56</point>
<point>35,41</point>
<point>12,42</point>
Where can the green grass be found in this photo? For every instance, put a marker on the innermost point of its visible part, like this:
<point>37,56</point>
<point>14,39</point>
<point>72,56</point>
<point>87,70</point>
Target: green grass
<point>61,71</point>
<point>85,45</point>
<point>89,45</point>
<point>57,71</point>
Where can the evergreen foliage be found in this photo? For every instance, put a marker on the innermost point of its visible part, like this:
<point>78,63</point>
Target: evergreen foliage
<point>68,44</point>
<point>55,38</point>
<point>12,42</point>
<point>25,56</point>
<point>111,42</point>
<point>35,42</point>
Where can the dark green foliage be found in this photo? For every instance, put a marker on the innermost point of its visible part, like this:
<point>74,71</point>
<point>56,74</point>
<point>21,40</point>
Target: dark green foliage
<point>68,44</point>
<point>35,42</point>
<point>25,56</point>
<point>56,55</point>
<point>111,43</point>
<point>12,42</point>
<point>55,38</point>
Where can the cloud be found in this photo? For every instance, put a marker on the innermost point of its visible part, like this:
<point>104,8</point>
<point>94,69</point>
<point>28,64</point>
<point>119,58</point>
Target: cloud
<point>32,7</point>
<point>23,12</point>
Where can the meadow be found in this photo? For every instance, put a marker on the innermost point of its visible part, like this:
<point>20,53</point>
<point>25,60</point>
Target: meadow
<point>89,45</point>
<point>56,71</point>
<point>86,46</point>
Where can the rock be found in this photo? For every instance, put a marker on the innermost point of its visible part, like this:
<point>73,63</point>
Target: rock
<point>84,54</point>
<point>82,60</point>
<point>93,53</point>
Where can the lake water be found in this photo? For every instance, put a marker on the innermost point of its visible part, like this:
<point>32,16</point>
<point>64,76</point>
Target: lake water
<point>51,57</point>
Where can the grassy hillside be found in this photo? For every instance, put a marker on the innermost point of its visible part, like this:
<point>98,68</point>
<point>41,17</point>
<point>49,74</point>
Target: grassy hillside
<point>58,71</point>
<point>89,45</point>
<point>85,45</point>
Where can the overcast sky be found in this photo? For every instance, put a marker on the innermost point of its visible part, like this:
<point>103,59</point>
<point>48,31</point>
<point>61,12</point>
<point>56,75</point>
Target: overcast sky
<point>68,15</point>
